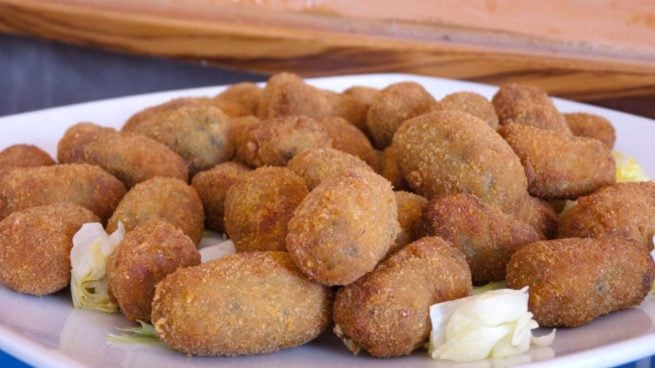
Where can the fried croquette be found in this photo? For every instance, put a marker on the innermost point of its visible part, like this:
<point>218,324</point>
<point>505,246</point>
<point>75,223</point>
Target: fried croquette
<point>212,186</point>
<point>87,186</point>
<point>201,135</point>
<point>386,312</point>
<point>343,228</point>
<point>287,94</point>
<point>623,209</point>
<point>318,165</point>
<point>472,103</point>
<point>262,301</point>
<point>572,281</point>
<point>390,170</point>
<point>258,209</point>
<point>364,96</point>
<point>394,105</point>
<point>241,130</point>
<point>539,214</point>
<point>410,209</point>
<point>35,245</point>
<point>486,235</point>
<point>130,157</point>
<point>166,199</point>
<point>557,166</point>
<point>23,155</point>
<point>347,138</point>
<point>240,99</point>
<point>173,104</point>
<point>528,105</point>
<point>144,257</point>
<point>275,142</point>
<point>449,152</point>
<point>591,126</point>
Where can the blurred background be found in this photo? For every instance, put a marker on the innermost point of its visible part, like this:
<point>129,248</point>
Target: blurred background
<point>56,52</point>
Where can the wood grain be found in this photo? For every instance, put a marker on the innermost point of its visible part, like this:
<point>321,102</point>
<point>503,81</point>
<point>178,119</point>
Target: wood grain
<point>314,44</point>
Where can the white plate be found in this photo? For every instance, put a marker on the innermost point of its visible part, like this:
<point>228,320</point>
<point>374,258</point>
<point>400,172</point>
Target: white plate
<point>48,332</point>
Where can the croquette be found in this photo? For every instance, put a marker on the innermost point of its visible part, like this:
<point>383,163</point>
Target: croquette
<point>472,103</point>
<point>144,257</point>
<point>166,199</point>
<point>212,186</point>
<point>201,135</point>
<point>486,235</point>
<point>410,209</point>
<point>390,170</point>
<point>347,138</point>
<point>130,157</point>
<point>623,209</point>
<point>558,166</point>
<point>449,152</point>
<point>258,209</point>
<point>539,214</point>
<point>246,303</point>
<point>35,245</point>
<point>318,165</point>
<point>240,99</point>
<point>591,126</point>
<point>275,142</point>
<point>173,104</point>
<point>87,186</point>
<point>386,312</point>
<point>394,105</point>
<point>343,228</point>
<point>364,96</point>
<point>572,281</point>
<point>23,155</point>
<point>528,105</point>
<point>241,130</point>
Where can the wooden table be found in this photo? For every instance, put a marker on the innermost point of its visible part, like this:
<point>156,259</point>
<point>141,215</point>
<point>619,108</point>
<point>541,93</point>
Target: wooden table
<point>601,52</point>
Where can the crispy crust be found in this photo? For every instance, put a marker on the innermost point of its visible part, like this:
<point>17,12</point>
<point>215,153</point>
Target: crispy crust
<point>557,166</point>
<point>471,103</point>
<point>318,165</point>
<point>265,304</point>
<point>258,210</point>
<point>240,99</point>
<point>572,281</point>
<point>146,255</point>
<point>386,312</point>
<point>410,208</point>
<point>591,126</point>
<point>347,138</point>
<point>35,245</point>
<point>165,199</point>
<point>173,104</point>
<point>623,209</point>
<point>343,228</point>
<point>486,235</point>
<point>23,155</point>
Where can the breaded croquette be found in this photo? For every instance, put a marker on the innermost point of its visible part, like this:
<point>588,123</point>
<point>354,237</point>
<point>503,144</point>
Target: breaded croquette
<point>166,199</point>
<point>390,169</point>
<point>343,228</point>
<point>212,186</point>
<point>591,126</point>
<point>35,245</point>
<point>410,209</point>
<point>258,209</point>
<point>240,99</point>
<point>528,105</point>
<point>559,166</point>
<point>623,209</point>
<point>87,186</point>
<point>23,155</point>
<point>386,312</point>
<point>173,104</point>
<point>145,256</point>
<point>471,103</point>
<point>449,152</point>
<point>246,303</point>
<point>486,235</point>
<point>572,281</point>
<point>275,142</point>
<point>201,135</point>
<point>347,138</point>
<point>130,157</point>
<point>394,105</point>
<point>318,165</point>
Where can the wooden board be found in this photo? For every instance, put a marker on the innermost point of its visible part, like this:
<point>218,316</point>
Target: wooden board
<point>598,51</point>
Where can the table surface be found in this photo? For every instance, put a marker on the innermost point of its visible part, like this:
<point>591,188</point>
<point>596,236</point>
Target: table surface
<point>36,74</point>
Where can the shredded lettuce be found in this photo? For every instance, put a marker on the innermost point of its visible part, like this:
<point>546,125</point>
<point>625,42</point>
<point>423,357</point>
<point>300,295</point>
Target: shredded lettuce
<point>628,169</point>
<point>144,334</point>
<point>493,324</point>
<point>222,249</point>
<point>91,247</point>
